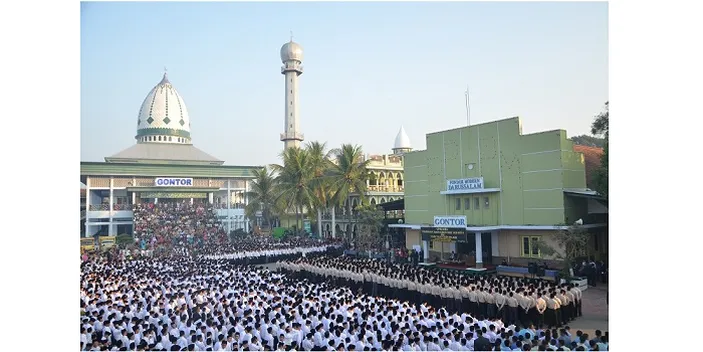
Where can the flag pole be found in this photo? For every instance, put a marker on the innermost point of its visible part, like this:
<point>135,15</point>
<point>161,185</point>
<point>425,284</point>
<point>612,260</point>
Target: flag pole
<point>468,107</point>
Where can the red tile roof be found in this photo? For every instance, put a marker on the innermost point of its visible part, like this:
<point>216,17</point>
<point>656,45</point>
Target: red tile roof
<point>591,156</point>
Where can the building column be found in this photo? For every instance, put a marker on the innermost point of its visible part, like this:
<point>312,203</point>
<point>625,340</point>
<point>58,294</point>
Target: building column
<point>425,251</point>
<point>191,201</point>
<point>479,251</point>
<point>87,205</point>
<point>229,204</point>
<point>110,231</point>
<point>134,198</point>
<point>210,197</point>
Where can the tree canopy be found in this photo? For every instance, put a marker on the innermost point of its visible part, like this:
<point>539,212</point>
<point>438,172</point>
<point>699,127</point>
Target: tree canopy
<point>600,127</point>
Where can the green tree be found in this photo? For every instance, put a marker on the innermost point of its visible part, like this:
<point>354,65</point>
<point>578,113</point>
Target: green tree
<point>348,175</point>
<point>295,186</point>
<point>588,141</point>
<point>570,245</point>
<point>262,196</point>
<point>369,225</point>
<point>319,158</point>
<point>600,126</point>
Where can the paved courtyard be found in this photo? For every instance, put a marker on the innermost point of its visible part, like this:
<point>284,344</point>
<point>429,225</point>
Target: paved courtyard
<point>595,311</point>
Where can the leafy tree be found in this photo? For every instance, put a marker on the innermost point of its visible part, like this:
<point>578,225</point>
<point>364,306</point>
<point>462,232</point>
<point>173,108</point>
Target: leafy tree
<point>348,175</point>
<point>588,141</point>
<point>600,126</point>
<point>295,187</point>
<point>571,244</point>
<point>319,158</point>
<point>369,225</point>
<point>262,196</point>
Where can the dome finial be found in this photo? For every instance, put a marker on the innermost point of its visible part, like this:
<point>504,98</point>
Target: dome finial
<point>164,80</point>
<point>291,36</point>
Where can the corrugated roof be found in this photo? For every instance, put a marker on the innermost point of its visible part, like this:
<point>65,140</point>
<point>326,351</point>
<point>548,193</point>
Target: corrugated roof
<point>163,151</point>
<point>591,156</point>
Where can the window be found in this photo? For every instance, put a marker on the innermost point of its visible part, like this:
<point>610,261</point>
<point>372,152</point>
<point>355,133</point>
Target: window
<point>477,203</point>
<point>169,138</point>
<point>467,203</point>
<point>431,245</point>
<point>458,204</point>
<point>529,246</point>
<point>485,201</point>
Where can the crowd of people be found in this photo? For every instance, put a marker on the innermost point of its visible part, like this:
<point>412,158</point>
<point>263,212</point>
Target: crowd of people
<point>513,300</point>
<point>176,224</point>
<point>206,293</point>
<point>199,304</point>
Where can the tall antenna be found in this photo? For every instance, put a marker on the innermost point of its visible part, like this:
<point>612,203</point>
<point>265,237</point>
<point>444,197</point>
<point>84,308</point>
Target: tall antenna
<point>468,107</point>
<point>291,36</point>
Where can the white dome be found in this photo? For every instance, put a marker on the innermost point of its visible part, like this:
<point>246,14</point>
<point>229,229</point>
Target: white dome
<point>291,51</point>
<point>402,141</point>
<point>163,116</point>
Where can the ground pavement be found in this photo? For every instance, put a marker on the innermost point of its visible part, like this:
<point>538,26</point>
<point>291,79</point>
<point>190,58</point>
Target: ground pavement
<point>594,309</point>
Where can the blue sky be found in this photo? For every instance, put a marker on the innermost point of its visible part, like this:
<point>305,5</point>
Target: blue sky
<point>369,68</point>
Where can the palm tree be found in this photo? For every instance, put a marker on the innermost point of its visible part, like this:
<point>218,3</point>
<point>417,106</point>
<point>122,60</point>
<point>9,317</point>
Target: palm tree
<point>262,196</point>
<point>319,158</point>
<point>294,181</point>
<point>348,175</point>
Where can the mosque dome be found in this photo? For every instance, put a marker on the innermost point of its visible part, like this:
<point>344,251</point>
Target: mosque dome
<point>163,117</point>
<point>291,51</point>
<point>402,141</point>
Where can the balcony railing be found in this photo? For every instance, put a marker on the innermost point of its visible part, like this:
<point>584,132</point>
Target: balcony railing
<point>293,136</point>
<point>390,189</point>
<point>232,206</point>
<point>106,207</point>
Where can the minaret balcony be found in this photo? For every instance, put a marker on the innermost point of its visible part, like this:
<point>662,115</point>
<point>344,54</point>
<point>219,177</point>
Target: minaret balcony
<point>292,136</point>
<point>298,69</point>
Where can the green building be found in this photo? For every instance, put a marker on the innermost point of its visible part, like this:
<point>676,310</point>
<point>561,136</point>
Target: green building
<point>489,192</point>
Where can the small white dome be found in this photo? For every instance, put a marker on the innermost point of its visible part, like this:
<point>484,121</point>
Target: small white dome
<point>402,141</point>
<point>291,51</point>
<point>163,115</point>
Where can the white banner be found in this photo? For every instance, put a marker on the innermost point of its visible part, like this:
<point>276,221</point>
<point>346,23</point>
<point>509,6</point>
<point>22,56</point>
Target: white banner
<point>450,221</point>
<point>173,181</point>
<point>465,184</point>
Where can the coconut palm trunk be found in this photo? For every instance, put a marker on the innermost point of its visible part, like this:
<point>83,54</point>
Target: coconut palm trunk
<point>319,222</point>
<point>334,223</point>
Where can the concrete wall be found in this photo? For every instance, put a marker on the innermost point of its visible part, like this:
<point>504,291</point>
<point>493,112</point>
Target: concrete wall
<point>412,238</point>
<point>510,246</point>
<point>531,170</point>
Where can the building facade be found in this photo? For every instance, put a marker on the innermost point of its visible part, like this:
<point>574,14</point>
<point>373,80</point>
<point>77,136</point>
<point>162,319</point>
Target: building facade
<point>491,193</point>
<point>386,184</point>
<point>163,166</point>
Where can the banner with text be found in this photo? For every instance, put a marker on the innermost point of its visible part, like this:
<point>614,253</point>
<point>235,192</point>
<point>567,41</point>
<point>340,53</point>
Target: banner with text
<point>450,221</point>
<point>443,234</point>
<point>464,184</point>
<point>173,181</point>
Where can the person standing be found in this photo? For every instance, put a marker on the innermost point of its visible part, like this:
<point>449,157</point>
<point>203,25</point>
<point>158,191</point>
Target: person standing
<point>473,301</point>
<point>540,306</point>
<point>490,304</point>
<point>500,305</point>
<point>550,316</point>
<point>513,304</point>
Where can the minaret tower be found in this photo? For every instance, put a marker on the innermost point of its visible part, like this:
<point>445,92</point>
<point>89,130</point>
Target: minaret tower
<point>292,58</point>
